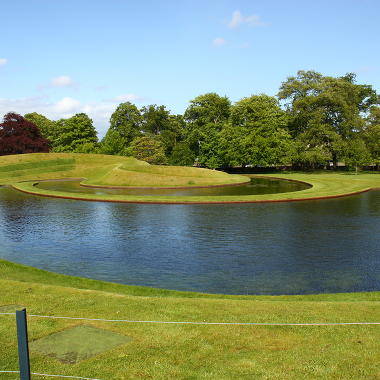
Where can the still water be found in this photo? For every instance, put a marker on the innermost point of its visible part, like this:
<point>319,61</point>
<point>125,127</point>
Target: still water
<point>256,186</point>
<point>286,248</point>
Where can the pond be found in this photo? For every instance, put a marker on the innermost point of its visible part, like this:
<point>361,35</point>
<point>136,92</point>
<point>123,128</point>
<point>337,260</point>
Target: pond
<point>256,186</point>
<point>281,248</point>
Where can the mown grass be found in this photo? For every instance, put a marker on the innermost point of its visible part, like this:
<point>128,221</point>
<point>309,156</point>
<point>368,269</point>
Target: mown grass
<point>106,170</point>
<point>164,176</point>
<point>38,164</point>
<point>166,351</point>
<point>323,185</point>
<point>126,171</point>
<point>194,351</point>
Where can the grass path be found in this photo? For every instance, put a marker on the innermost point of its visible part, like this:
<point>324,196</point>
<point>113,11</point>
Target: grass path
<point>194,351</point>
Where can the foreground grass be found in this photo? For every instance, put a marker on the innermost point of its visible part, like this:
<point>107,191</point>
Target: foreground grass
<point>194,351</point>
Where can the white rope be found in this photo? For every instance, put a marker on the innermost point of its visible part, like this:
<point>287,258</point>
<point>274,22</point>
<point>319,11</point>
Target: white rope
<point>45,374</point>
<point>204,323</point>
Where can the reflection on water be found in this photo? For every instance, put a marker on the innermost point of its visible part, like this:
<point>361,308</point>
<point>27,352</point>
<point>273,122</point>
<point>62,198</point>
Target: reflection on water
<point>256,186</point>
<point>286,248</point>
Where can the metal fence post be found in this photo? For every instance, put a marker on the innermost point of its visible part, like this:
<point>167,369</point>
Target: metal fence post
<point>23,347</point>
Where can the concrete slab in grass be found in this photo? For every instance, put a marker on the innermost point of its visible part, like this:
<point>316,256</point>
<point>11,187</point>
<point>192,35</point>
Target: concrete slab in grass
<point>78,343</point>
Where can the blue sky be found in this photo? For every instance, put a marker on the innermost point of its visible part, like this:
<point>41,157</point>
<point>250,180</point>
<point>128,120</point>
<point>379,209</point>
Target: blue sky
<point>63,57</point>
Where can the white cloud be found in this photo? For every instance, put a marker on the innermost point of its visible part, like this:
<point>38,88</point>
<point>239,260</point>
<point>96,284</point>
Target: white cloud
<point>22,105</point>
<point>62,81</point>
<point>100,112</point>
<point>3,61</point>
<point>67,105</point>
<point>219,41</point>
<point>238,19</point>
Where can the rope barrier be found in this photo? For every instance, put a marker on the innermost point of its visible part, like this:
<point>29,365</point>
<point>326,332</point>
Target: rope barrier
<point>179,322</point>
<point>203,323</point>
<point>47,375</point>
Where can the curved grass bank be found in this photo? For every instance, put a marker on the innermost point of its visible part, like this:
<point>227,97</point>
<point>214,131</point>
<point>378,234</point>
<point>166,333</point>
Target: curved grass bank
<point>23,172</point>
<point>105,170</point>
<point>163,351</point>
<point>324,186</point>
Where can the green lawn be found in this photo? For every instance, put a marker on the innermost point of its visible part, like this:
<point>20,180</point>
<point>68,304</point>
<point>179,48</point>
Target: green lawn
<point>166,351</point>
<point>23,171</point>
<point>323,185</point>
<point>105,170</point>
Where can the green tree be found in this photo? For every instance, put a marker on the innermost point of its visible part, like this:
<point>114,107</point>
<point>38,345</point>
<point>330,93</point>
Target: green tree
<point>371,135</point>
<point>233,146</point>
<point>304,156</point>
<point>46,126</point>
<point>356,154</point>
<point>374,116</point>
<point>74,133</point>
<point>331,108</point>
<point>87,147</point>
<point>155,119</point>
<point>205,117</point>
<point>125,124</point>
<point>208,108</point>
<point>258,111</point>
<point>207,149</point>
<point>182,155</point>
<point>174,134</point>
<point>113,143</point>
<point>147,149</point>
<point>256,133</point>
<point>317,146</point>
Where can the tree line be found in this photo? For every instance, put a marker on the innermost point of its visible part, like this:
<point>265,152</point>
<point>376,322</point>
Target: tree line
<point>314,121</point>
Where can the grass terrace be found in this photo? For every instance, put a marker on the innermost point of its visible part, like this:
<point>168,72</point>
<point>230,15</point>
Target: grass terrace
<point>24,171</point>
<point>105,170</point>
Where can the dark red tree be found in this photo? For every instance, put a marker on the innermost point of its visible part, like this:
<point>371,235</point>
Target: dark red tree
<point>18,135</point>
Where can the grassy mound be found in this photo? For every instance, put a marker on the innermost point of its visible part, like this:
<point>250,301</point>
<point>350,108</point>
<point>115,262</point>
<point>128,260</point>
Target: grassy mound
<point>324,185</point>
<point>23,171</point>
<point>166,351</point>
<point>107,171</point>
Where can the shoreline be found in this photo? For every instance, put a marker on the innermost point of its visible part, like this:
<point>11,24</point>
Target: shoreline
<point>29,187</point>
<point>141,290</point>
